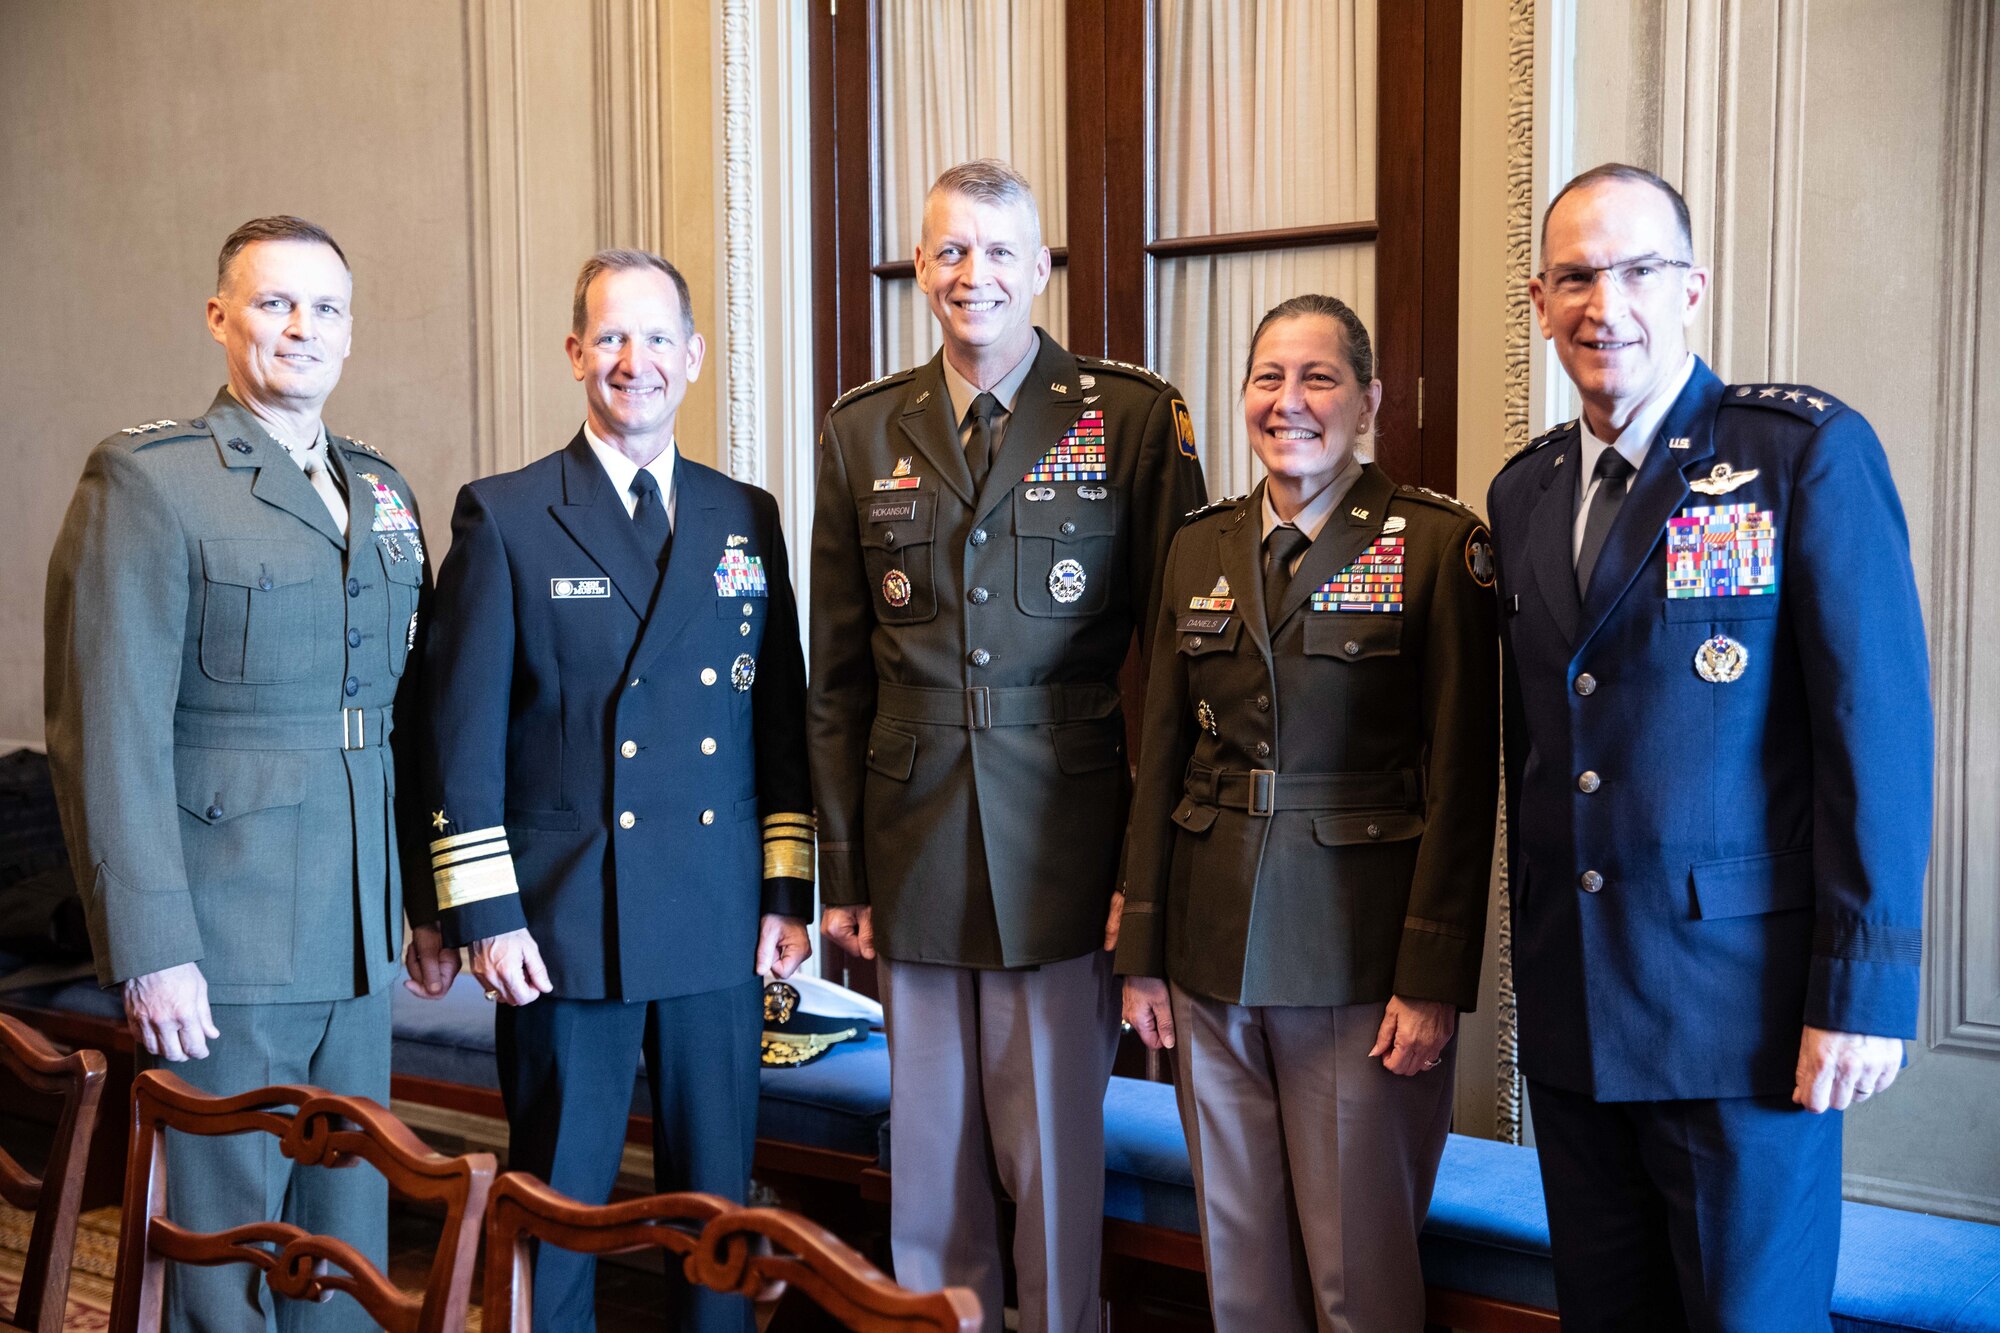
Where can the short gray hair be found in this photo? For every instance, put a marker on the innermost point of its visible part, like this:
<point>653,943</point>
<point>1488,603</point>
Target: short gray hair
<point>990,181</point>
<point>1622,171</point>
<point>278,227</point>
<point>613,261</point>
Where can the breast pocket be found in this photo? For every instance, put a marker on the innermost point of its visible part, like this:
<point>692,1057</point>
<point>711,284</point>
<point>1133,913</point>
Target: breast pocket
<point>897,554</point>
<point>1720,610</point>
<point>256,611</point>
<point>1353,638</point>
<point>1065,547</point>
<point>404,580</point>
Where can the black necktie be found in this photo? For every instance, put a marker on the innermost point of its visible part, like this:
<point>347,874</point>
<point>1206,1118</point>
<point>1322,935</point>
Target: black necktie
<point>1611,474</point>
<point>1285,544</point>
<point>979,450</point>
<point>649,518</point>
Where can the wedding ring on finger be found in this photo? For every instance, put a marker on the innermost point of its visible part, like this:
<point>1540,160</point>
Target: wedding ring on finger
<point>1434,1063</point>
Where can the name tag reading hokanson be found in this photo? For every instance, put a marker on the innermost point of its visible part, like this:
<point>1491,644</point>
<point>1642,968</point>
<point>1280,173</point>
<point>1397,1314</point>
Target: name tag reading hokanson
<point>893,511</point>
<point>1078,456</point>
<point>1374,582</point>
<point>1722,551</point>
<point>564,589</point>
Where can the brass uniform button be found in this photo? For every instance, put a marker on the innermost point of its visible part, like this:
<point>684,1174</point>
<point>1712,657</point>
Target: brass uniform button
<point>708,745</point>
<point>743,628</point>
<point>1351,648</point>
<point>629,748</point>
<point>1588,782</point>
<point>1586,683</point>
<point>1592,881</point>
<point>627,820</point>
<point>708,675</point>
<point>1263,703</point>
<point>980,657</point>
<point>1375,830</point>
<point>1263,749</point>
<point>708,816</point>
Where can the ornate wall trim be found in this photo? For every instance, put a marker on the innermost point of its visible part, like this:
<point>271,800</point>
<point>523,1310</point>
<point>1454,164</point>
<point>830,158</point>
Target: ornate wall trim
<point>1520,318</point>
<point>625,75</point>
<point>497,143</point>
<point>742,457</point>
<point>1963,926</point>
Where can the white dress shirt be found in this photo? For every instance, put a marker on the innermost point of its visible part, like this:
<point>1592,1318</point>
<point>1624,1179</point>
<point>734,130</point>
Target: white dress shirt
<point>621,470</point>
<point>1311,520</point>
<point>1633,442</point>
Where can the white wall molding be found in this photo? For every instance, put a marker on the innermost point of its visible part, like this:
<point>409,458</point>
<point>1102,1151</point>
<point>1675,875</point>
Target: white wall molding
<point>1962,943</point>
<point>742,451</point>
<point>626,80</point>
<point>497,108</point>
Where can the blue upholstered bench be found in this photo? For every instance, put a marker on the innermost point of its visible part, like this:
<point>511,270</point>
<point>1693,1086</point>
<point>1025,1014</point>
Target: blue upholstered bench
<point>1485,1247</point>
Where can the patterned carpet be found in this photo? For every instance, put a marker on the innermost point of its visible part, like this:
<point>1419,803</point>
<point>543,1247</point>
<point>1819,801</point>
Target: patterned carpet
<point>90,1275</point>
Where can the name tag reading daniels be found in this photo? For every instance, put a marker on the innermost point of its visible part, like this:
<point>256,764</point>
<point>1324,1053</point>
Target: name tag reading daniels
<point>900,510</point>
<point>1202,624</point>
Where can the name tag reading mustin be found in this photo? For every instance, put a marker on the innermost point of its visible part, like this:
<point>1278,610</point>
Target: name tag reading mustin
<point>564,589</point>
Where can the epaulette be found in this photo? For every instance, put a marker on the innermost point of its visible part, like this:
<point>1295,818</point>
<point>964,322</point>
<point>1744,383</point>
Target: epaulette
<point>1213,506</point>
<point>1801,400</point>
<point>1548,436</point>
<point>159,432</point>
<point>1426,495</point>
<point>1152,376</point>
<point>870,386</point>
<point>362,445</point>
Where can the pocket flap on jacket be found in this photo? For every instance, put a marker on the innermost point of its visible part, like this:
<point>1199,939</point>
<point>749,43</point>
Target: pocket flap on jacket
<point>1199,642</point>
<point>892,753</point>
<point>1353,637</point>
<point>1753,885</point>
<point>1060,518</point>
<point>884,527</point>
<point>246,562</point>
<point>1382,826</point>
<point>1193,816</point>
<point>409,573</point>
<point>219,785</point>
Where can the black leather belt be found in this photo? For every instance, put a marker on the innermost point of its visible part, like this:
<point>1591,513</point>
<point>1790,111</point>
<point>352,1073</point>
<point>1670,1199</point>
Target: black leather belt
<point>1264,791</point>
<point>980,707</point>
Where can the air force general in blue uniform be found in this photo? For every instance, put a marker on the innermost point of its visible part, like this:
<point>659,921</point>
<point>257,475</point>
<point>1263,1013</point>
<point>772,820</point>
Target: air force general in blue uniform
<point>1718,777</point>
<point>619,768</point>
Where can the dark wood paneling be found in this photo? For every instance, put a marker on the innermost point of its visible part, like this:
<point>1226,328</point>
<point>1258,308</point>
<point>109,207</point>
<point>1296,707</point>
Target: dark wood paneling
<point>1443,37</point>
<point>855,79</point>
<point>1127,76</point>
<point>825,210</point>
<point>1399,209</point>
<point>1085,176</point>
<point>1275,238</point>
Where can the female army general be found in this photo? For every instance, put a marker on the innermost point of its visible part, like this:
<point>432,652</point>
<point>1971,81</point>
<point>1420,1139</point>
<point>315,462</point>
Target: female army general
<point>1310,843</point>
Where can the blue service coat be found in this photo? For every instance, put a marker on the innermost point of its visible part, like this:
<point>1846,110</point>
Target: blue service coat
<point>1701,866</point>
<point>623,774</point>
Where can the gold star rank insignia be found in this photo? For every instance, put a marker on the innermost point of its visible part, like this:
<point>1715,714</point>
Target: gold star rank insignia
<point>438,821</point>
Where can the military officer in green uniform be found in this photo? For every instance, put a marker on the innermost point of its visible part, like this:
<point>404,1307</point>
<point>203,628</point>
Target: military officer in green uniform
<point>233,612</point>
<point>990,531</point>
<point>1311,841</point>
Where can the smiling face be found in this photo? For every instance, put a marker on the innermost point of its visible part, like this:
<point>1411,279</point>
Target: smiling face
<point>635,359</point>
<point>981,265</point>
<point>1621,342</point>
<point>284,316</point>
<point>1303,405</point>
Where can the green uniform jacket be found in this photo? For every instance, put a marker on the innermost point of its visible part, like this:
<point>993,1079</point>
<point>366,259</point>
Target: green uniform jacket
<point>1315,809</point>
<point>968,754</point>
<point>223,671</point>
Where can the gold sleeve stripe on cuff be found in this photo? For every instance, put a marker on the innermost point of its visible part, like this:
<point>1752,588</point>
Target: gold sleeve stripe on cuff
<point>472,852</point>
<point>460,839</point>
<point>476,881</point>
<point>788,858</point>
<point>805,823</point>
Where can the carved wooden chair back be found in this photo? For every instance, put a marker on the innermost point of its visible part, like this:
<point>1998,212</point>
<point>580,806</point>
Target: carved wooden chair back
<point>315,1128</point>
<point>54,1196</point>
<point>722,1247</point>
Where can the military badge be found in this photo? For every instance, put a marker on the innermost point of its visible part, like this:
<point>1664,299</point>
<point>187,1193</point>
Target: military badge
<point>561,589</point>
<point>390,513</point>
<point>743,672</point>
<point>896,588</point>
<point>1374,582</point>
<point>393,548</point>
<point>1066,581</point>
<point>410,641</point>
<point>740,575</point>
<point>1394,524</point>
<point>902,468</point>
<point>1724,551</point>
<point>1479,557</point>
<point>737,539</point>
<point>1086,381</point>
<point>438,821</point>
<point>1218,598</point>
<point>897,483</point>
<point>1721,480</point>
<point>1204,717</point>
<point>1360,514</point>
<point>1039,493</point>
<point>1184,428</point>
<point>1721,660</point>
<point>1078,456</point>
<point>1092,492</point>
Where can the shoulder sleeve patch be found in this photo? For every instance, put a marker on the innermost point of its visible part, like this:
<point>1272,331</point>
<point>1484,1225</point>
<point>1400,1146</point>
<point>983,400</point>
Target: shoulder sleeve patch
<point>1801,400</point>
<point>1479,555</point>
<point>1184,428</point>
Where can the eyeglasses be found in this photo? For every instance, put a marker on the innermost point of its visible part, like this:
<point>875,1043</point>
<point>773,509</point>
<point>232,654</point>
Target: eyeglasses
<point>1634,277</point>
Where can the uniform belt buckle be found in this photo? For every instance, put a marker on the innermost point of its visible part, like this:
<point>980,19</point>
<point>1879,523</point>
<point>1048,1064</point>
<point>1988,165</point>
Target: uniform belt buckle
<point>1263,791</point>
<point>978,708</point>
<point>353,728</point>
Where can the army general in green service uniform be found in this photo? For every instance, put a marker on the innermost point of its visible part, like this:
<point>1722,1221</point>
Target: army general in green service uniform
<point>1311,841</point>
<point>991,529</point>
<point>232,619</point>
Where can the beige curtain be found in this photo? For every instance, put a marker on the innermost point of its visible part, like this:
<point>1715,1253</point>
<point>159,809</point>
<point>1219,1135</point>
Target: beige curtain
<point>963,79</point>
<point>1266,118</point>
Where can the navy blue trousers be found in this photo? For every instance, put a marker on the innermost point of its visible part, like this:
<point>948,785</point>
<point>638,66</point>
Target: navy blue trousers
<point>1718,1216</point>
<point>566,1074</point>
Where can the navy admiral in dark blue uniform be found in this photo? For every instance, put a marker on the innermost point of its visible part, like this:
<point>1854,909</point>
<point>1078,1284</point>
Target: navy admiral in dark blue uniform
<point>1719,791</point>
<point>619,785</point>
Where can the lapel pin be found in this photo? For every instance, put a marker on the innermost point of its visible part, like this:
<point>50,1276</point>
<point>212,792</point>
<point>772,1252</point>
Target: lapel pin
<point>1359,513</point>
<point>1678,442</point>
<point>1059,388</point>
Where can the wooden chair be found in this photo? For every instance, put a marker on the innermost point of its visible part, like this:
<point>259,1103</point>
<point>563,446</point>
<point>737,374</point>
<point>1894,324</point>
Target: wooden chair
<point>314,1128</point>
<point>54,1196</point>
<point>722,1248</point>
